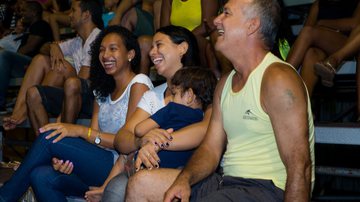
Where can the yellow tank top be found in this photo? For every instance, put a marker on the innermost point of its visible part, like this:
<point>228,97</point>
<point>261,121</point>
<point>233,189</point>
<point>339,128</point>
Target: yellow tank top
<point>252,151</point>
<point>186,13</point>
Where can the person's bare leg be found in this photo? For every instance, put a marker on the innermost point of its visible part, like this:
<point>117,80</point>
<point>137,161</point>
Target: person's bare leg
<point>307,72</point>
<point>72,100</point>
<point>35,73</point>
<point>36,110</point>
<point>325,39</point>
<point>145,46</point>
<point>156,182</point>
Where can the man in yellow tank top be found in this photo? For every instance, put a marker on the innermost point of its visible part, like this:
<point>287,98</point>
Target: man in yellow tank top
<point>261,124</point>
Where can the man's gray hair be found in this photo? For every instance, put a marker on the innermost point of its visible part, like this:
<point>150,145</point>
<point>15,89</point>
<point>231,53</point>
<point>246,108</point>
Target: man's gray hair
<point>270,17</point>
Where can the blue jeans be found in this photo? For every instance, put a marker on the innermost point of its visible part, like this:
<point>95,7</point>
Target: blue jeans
<point>12,65</point>
<point>92,165</point>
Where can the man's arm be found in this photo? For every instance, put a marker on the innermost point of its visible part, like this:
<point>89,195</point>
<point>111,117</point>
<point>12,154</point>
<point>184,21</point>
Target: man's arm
<point>206,158</point>
<point>284,99</point>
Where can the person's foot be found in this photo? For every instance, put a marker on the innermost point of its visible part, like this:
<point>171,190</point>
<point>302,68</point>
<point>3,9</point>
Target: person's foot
<point>10,122</point>
<point>326,71</point>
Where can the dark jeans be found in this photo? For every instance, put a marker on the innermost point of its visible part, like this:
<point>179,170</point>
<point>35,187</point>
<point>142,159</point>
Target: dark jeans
<point>92,165</point>
<point>12,65</point>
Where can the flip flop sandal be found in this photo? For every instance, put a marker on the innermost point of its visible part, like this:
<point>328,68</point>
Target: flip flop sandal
<point>326,71</point>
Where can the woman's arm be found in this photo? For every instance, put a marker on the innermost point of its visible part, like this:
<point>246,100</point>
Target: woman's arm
<point>209,9</point>
<point>165,13</point>
<point>125,141</point>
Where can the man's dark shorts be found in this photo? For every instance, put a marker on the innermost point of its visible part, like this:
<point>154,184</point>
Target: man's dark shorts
<point>217,188</point>
<point>52,99</point>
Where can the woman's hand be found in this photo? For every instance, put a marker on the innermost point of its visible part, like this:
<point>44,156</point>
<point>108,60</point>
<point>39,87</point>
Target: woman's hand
<point>148,157</point>
<point>62,130</point>
<point>61,166</point>
<point>158,137</point>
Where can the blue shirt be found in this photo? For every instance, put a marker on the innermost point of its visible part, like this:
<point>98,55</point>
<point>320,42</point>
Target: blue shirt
<point>176,116</point>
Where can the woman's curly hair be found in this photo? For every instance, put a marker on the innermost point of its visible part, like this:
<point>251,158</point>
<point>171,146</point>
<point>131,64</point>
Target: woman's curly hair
<point>100,82</point>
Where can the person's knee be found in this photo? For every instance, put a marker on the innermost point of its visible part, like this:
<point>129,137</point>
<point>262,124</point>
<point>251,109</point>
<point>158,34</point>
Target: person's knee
<point>33,96</point>
<point>72,86</point>
<point>137,182</point>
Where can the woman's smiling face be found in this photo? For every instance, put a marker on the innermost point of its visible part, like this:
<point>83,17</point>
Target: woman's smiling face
<point>166,55</point>
<point>114,56</point>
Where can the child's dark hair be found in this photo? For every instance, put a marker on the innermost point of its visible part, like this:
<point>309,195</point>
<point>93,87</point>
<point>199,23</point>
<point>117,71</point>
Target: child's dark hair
<point>201,80</point>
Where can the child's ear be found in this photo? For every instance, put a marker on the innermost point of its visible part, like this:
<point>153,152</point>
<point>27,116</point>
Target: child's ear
<point>190,96</point>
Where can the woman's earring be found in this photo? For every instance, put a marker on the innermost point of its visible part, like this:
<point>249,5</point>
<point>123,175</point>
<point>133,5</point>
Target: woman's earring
<point>129,59</point>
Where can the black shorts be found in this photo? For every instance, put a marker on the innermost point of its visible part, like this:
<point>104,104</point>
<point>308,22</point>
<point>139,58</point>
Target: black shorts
<point>52,99</point>
<point>218,188</point>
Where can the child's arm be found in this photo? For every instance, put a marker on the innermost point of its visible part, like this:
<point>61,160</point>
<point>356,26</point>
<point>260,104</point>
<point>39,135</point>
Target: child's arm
<point>145,126</point>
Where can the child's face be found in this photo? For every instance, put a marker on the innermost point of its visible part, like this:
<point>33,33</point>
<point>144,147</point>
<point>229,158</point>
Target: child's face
<point>179,96</point>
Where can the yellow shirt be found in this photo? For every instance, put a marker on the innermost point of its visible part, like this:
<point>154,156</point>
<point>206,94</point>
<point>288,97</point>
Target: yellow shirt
<point>252,150</point>
<point>186,14</point>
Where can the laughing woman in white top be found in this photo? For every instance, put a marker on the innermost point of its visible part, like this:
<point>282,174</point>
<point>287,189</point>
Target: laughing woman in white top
<point>87,152</point>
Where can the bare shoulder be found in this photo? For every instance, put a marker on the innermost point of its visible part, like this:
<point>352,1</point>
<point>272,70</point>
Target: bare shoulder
<point>281,75</point>
<point>281,86</point>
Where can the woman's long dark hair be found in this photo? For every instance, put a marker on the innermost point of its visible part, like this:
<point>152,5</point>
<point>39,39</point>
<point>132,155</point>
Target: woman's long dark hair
<point>178,35</point>
<point>100,82</point>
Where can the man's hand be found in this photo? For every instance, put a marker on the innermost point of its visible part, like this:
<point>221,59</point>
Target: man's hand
<point>180,189</point>
<point>57,58</point>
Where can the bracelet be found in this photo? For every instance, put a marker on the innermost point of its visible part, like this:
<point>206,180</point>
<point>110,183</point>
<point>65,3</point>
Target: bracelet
<point>89,133</point>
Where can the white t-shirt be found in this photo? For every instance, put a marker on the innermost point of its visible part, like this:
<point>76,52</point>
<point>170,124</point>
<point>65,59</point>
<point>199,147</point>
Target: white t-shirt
<point>76,53</point>
<point>112,113</point>
<point>153,100</point>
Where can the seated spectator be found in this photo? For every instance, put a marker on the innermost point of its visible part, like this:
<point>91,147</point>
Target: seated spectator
<point>12,41</point>
<point>115,58</point>
<point>266,157</point>
<point>13,64</point>
<point>327,68</point>
<point>52,68</point>
<point>325,31</point>
<point>192,89</point>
